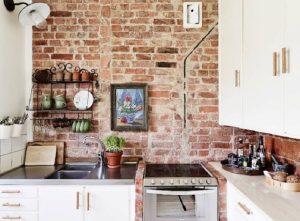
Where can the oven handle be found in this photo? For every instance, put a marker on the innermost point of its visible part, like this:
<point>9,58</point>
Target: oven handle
<point>179,193</point>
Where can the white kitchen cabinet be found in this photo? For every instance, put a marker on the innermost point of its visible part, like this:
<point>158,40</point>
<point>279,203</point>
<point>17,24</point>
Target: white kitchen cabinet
<point>86,203</point>
<point>61,203</point>
<point>18,203</point>
<point>230,62</point>
<point>4,216</point>
<point>264,92</point>
<point>110,203</point>
<point>269,94</point>
<point>292,77</point>
<point>240,208</point>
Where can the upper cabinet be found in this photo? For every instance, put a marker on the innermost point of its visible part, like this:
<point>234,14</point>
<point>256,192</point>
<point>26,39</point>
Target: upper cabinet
<point>269,78</point>
<point>292,76</point>
<point>231,42</point>
<point>263,87</point>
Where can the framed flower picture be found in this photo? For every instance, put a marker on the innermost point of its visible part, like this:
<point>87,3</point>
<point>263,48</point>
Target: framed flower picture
<point>129,107</point>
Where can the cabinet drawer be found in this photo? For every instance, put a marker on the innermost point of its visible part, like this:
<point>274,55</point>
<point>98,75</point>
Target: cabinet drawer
<point>18,204</point>
<point>18,191</point>
<point>239,203</point>
<point>7,216</point>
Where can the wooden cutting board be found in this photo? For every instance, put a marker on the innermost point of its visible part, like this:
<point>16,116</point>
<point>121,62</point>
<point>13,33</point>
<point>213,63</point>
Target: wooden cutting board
<point>60,149</point>
<point>40,155</point>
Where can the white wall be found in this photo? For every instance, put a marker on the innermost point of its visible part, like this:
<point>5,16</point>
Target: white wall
<point>15,63</point>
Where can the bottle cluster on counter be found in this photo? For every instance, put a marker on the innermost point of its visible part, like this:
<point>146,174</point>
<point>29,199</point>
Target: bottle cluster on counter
<point>249,156</point>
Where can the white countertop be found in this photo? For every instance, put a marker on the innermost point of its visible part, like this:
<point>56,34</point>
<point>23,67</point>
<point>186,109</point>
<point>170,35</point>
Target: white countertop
<point>279,205</point>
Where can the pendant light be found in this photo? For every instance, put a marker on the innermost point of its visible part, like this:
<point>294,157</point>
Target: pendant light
<point>32,14</point>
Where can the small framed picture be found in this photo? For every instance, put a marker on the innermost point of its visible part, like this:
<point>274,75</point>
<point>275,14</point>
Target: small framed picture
<point>129,107</point>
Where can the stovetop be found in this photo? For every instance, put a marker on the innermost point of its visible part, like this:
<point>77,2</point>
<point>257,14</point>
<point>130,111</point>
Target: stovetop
<point>178,175</point>
<point>176,170</point>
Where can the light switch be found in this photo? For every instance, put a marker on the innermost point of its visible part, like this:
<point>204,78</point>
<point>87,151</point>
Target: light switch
<point>192,14</point>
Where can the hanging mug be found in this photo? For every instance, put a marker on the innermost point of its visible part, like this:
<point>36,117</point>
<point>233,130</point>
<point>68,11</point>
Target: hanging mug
<point>46,102</point>
<point>60,102</point>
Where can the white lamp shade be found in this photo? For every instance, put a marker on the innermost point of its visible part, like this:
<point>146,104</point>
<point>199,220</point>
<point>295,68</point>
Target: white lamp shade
<point>34,14</point>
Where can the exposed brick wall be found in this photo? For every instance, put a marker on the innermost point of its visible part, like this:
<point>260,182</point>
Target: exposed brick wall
<point>142,41</point>
<point>285,150</point>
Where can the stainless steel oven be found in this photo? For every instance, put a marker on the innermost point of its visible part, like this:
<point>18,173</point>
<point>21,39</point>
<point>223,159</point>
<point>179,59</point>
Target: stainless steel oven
<point>180,204</point>
<point>191,198</point>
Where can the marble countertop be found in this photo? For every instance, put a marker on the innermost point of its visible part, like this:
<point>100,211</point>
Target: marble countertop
<point>37,175</point>
<point>278,204</point>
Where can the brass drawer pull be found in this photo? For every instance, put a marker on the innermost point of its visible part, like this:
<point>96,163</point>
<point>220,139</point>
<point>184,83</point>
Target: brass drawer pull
<point>275,64</point>
<point>12,205</point>
<point>77,200</point>
<point>11,217</point>
<point>11,191</point>
<point>236,78</point>
<point>88,201</point>
<point>245,208</point>
<point>284,60</point>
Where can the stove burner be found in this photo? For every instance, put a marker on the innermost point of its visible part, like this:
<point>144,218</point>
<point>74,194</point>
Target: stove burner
<point>178,175</point>
<point>176,170</point>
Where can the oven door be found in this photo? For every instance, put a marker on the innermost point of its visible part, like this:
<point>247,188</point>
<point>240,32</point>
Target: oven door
<point>181,204</point>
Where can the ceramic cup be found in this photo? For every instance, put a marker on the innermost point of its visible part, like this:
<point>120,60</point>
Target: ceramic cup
<point>60,102</point>
<point>46,102</point>
<point>59,76</point>
<point>86,76</point>
<point>68,76</point>
<point>76,76</point>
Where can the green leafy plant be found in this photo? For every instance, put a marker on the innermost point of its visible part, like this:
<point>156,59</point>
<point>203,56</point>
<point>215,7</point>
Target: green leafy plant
<point>114,143</point>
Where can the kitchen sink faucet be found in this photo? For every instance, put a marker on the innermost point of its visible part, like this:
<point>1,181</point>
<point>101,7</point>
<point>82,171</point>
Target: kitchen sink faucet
<point>101,153</point>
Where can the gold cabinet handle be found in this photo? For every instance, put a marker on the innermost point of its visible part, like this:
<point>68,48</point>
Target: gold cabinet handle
<point>11,204</point>
<point>237,78</point>
<point>88,201</point>
<point>245,208</point>
<point>284,61</point>
<point>77,200</point>
<point>10,191</point>
<point>11,217</point>
<point>275,64</point>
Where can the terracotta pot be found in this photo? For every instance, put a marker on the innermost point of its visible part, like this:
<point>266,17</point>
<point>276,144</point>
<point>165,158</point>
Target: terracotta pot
<point>86,76</point>
<point>114,159</point>
<point>76,76</point>
<point>68,76</point>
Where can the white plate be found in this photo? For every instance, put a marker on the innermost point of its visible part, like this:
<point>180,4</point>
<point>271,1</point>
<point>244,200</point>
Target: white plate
<point>83,100</point>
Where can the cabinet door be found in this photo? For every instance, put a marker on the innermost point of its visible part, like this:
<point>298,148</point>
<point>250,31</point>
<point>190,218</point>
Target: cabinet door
<point>60,203</point>
<point>292,78</point>
<point>230,60</point>
<point>109,203</point>
<point>240,208</point>
<point>264,92</point>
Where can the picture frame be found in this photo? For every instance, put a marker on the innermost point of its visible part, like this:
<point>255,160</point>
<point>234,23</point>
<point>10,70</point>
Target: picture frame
<point>129,107</point>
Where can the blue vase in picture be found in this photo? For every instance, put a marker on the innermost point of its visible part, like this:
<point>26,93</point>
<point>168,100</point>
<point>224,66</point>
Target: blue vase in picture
<point>130,118</point>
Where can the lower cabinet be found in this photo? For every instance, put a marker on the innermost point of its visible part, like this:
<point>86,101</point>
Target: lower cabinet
<point>18,203</point>
<point>110,203</point>
<point>86,203</point>
<point>240,208</point>
<point>61,203</point>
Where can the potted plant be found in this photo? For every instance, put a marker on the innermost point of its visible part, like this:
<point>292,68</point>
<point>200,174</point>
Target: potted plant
<point>18,123</point>
<point>5,128</point>
<point>114,150</point>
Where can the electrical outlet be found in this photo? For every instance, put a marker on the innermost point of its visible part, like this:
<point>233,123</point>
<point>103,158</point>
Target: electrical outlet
<point>192,14</point>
